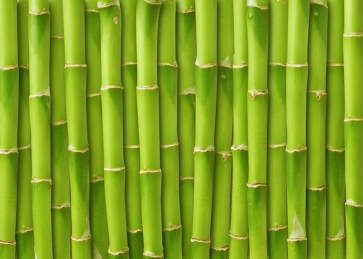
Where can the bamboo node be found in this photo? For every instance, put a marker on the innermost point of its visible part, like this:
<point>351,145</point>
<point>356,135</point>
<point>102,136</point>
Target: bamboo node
<point>353,119</point>
<point>150,171</point>
<point>317,188</point>
<point>297,233</point>
<point>39,12</point>
<point>134,231</point>
<point>153,255</point>
<point>57,123</point>
<point>184,178</point>
<point>353,203</point>
<point>44,92</point>
<point>172,227</point>
<point>41,180</point>
<point>241,65</point>
<point>190,90</point>
<point>234,236</point>
<point>71,65</point>
<point>107,87</point>
<point>225,63</point>
<point>255,93</point>
<point>224,154</point>
<point>24,67</point>
<point>108,4</point>
<point>24,147</point>
<point>10,243</point>
<point>93,95</point>
<point>353,35</point>
<point>132,146</point>
<point>89,10</point>
<point>277,145</point>
<point>75,150</point>
<point>208,65</point>
<point>200,240</point>
<point>24,230</point>
<point>9,67</point>
<point>253,3</point>
<point>170,145</point>
<point>297,149</point>
<point>273,63</point>
<point>154,2</point>
<point>168,64</point>
<point>114,169</point>
<point>58,37</point>
<point>277,228</point>
<point>330,148</point>
<point>80,239</point>
<point>186,10</point>
<point>64,205</point>
<point>97,179</point>
<point>9,151</point>
<point>333,64</point>
<point>147,87</point>
<point>204,149</point>
<point>128,63</point>
<point>335,238</point>
<point>319,93</point>
<point>122,251</point>
<point>297,65</point>
<point>220,248</point>
<point>318,2</point>
<point>256,185</point>
<point>239,147</point>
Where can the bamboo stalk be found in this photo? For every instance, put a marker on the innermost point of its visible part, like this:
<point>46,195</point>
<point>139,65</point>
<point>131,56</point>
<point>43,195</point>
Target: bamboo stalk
<point>131,129</point>
<point>276,173</point>
<point>316,119</point>
<point>186,53</point>
<point>296,87</point>
<point>206,100</point>
<point>9,94</point>
<point>257,107</point>
<point>147,17</point>
<point>24,220</point>
<point>98,217</point>
<point>75,82</point>
<point>335,182</point>
<point>39,106</point>
<point>61,220</point>
<point>112,116</point>
<point>238,246</point>
<point>221,206</point>
<point>169,146</point>
<point>353,126</point>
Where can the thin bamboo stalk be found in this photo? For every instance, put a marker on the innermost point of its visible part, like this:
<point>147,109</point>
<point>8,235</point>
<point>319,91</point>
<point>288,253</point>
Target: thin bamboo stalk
<point>335,182</point>
<point>75,82</point>
<point>24,220</point>
<point>147,17</point>
<point>39,106</point>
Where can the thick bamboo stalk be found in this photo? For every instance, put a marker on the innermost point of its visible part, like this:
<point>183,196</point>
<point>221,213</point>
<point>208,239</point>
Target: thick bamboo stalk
<point>186,54</point>
<point>98,217</point>
<point>39,107</point>
<point>9,94</point>
<point>112,117</point>
<point>206,100</point>
<point>221,206</point>
<point>316,119</point>
<point>296,87</point>
<point>24,220</point>
<point>131,129</point>
<point>257,107</point>
<point>147,19</point>
<point>75,82</point>
<point>276,173</point>
<point>169,146</point>
<point>335,182</point>
<point>238,244</point>
<point>353,126</point>
<point>61,217</point>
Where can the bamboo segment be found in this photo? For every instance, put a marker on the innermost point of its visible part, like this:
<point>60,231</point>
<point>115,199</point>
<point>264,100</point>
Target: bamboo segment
<point>221,206</point>
<point>186,54</point>
<point>147,17</point>
<point>353,126</point>
<point>78,151</point>
<point>335,182</point>
<point>169,146</point>
<point>316,119</point>
<point>238,246</point>
<point>206,99</point>
<point>131,132</point>
<point>276,173</point>
<point>39,108</point>
<point>98,218</point>
<point>24,221</point>
<point>257,107</point>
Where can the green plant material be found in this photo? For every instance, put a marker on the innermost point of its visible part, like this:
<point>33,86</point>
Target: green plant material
<point>257,109</point>
<point>40,120</point>
<point>276,173</point>
<point>186,53</point>
<point>353,126</point>
<point>78,155</point>
<point>206,102</point>
<point>147,23</point>
<point>335,182</point>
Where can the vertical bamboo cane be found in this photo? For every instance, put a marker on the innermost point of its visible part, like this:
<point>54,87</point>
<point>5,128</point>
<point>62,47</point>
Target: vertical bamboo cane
<point>335,182</point>
<point>75,82</point>
<point>39,105</point>
<point>186,54</point>
<point>238,246</point>
<point>147,17</point>
<point>24,220</point>
<point>353,126</point>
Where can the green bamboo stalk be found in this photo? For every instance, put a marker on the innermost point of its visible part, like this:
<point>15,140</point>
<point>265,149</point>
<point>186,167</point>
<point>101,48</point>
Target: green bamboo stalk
<point>221,206</point>
<point>257,107</point>
<point>296,87</point>
<point>206,102</point>
<point>98,218</point>
<point>169,146</point>
<point>353,126</point>
<point>40,120</point>
<point>316,119</point>
<point>335,182</point>
<point>112,117</point>
<point>131,129</point>
<point>61,217</point>
<point>24,220</point>
<point>75,82</point>
<point>238,242</point>
<point>276,173</point>
<point>147,17</point>
<point>9,94</point>
<point>186,53</point>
